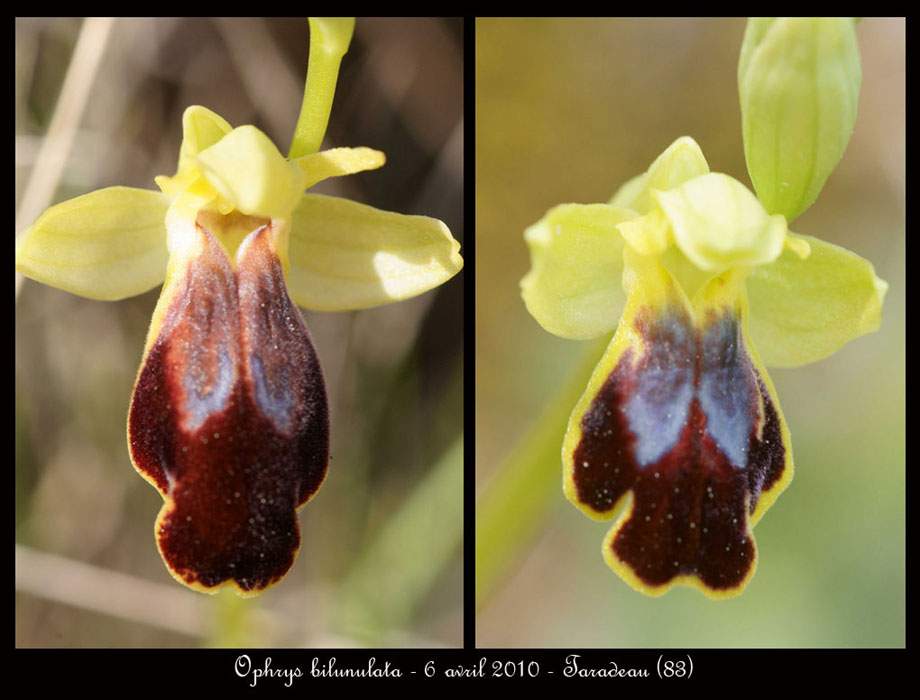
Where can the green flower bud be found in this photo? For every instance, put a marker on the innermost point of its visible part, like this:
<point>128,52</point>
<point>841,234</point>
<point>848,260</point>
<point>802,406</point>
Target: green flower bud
<point>798,79</point>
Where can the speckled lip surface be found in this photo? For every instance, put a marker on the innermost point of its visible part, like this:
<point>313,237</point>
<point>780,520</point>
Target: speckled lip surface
<point>229,419</point>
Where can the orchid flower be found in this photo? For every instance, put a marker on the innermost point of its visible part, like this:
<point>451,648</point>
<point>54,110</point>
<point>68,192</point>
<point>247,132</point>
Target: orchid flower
<point>229,417</point>
<point>679,430</point>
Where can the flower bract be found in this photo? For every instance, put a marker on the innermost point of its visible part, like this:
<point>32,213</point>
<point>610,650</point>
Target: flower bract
<point>798,80</point>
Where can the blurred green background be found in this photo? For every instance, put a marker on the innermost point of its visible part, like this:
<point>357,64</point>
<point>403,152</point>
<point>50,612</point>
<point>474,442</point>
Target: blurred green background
<point>566,111</point>
<point>380,562</point>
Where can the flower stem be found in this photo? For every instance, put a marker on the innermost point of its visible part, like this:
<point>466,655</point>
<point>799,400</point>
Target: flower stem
<point>398,568</point>
<point>528,484</point>
<point>329,40</point>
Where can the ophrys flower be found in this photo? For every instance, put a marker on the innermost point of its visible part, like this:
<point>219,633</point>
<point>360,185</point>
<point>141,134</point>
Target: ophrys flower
<point>229,417</point>
<point>680,430</point>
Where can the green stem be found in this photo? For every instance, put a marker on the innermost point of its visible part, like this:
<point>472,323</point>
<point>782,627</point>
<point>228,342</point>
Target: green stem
<point>398,568</point>
<point>529,484</point>
<point>329,40</point>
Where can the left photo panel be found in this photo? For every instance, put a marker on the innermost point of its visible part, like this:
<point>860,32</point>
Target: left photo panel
<point>239,332</point>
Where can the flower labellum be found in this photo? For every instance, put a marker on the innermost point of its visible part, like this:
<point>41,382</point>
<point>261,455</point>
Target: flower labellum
<point>679,433</point>
<point>229,418</point>
<point>680,413</point>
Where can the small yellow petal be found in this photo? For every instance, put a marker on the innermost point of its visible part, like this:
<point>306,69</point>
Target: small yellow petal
<point>108,244</point>
<point>798,245</point>
<point>338,161</point>
<point>344,255</point>
<point>175,185</point>
<point>647,234</point>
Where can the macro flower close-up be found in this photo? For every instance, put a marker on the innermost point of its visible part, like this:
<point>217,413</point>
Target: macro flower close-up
<point>680,412</point>
<point>689,332</point>
<point>230,418</point>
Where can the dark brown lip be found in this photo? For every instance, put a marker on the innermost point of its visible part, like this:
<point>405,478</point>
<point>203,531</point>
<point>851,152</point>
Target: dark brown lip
<point>229,419</point>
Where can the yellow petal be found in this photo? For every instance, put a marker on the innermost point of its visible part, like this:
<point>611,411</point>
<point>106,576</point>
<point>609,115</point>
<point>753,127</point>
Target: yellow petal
<point>803,310</point>
<point>647,234</point>
<point>344,255</point>
<point>108,244</point>
<point>249,172</point>
<point>338,161</point>
<point>573,287</point>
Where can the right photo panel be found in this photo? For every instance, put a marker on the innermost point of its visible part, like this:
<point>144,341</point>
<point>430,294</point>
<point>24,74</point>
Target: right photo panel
<point>689,333</point>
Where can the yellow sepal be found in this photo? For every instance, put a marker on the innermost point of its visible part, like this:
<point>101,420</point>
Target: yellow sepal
<point>344,255</point>
<point>109,244</point>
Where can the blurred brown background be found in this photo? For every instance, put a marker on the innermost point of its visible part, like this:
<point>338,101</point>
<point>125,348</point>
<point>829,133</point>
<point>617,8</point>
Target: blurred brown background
<point>566,111</point>
<point>380,560</point>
